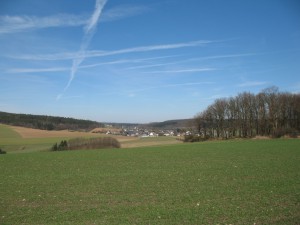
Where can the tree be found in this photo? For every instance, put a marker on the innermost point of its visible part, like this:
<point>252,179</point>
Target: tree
<point>268,113</point>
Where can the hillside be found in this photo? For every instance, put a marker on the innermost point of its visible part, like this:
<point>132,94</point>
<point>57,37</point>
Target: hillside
<point>47,122</point>
<point>170,124</point>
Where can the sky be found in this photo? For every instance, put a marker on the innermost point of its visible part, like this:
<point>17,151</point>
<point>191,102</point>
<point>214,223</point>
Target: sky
<point>143,61</point>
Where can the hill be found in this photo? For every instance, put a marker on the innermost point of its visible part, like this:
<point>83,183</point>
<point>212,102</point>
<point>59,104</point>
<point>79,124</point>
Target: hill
<point>170,124</point>
<point>47,122</point>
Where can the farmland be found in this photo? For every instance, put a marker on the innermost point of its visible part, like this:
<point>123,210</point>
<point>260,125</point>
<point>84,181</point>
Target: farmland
<point>220,182</point>
<point>15,139</point>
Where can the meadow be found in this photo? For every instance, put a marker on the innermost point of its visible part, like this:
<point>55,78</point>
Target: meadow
<point>225,182</point>
<point>23,140</point>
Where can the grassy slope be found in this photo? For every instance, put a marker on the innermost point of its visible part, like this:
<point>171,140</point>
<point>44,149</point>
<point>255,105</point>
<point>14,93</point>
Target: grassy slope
<point>11,141</point>
<point>242,182</point>
<point>7,132</point>
<point>40,140</point>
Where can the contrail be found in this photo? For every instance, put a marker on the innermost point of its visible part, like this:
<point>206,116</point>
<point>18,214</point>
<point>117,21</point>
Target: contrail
<point>89,31</point>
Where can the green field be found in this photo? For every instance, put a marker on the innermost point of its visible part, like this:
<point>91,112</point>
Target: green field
<point>229,182</point>
<point>12,142</point>
<point>7,133</point>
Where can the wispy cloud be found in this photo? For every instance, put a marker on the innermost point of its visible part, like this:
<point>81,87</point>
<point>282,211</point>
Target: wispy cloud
<point>224,56</point>
<point>191,70</point>
<point>215,97</point>
<point>169,86</point>
<point>101,53</point>
<point>37,70</point>
<point>192,59</point>
<point>20,23</point>
<point>71,97</point>
<point>147,48</point>
<point>150,66</point>
<point>123,11</point>
<point>252,84</point>
<point>60,69</point>
<point>128,61</point>
<point>90,29</point>
<point>296,88</point>
<point>14,24</point>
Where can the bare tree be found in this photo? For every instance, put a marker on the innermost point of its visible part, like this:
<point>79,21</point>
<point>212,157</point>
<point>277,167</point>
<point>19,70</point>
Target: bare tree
<point>268,113</point>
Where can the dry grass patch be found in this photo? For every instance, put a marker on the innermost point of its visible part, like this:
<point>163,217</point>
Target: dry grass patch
<point>36,133</point>
<point>150,141</point>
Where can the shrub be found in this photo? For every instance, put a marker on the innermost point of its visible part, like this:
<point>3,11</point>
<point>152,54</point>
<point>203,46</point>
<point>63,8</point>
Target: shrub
<point>62,146</point>
<point>278,133</point>
<point>2,151</point>
<point>291,132</point>
<point>83,143</point>
<point>193,138</point>
<point>93,143</point>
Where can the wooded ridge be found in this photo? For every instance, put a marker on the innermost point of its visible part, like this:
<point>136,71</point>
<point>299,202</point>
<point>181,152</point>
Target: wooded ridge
<point>47,122</point>
<point>268,113</point>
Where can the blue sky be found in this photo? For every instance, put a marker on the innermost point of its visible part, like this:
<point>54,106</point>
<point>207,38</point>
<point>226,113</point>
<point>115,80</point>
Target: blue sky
<point>143,61</point>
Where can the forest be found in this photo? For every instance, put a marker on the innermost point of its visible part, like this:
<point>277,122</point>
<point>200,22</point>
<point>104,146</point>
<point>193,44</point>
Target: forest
<point>268,113</point>
<point>47,122</point>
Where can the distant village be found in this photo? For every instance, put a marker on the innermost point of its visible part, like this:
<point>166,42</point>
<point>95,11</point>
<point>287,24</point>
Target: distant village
<point>135,131</point>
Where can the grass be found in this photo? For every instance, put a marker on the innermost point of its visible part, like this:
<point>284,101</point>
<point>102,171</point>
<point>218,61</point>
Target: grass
<point>12,142</point>
<point>7,132</point>
<point>150,141</point>
<point>24,140</point>
<point>229,182</point>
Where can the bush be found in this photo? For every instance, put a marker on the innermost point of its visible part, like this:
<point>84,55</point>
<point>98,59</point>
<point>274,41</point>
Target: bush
<point>83,143</point>
<point>278,133</point>
<point>291,132</point>
<point>62,146</point>
<point>193,138</point>
<point>93,143</point>
<point>2,151</point>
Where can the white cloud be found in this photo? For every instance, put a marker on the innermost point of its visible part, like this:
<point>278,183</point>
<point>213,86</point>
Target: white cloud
<point>14,24</point>
<point>60,69</point>
<point>252,84</point>
<point>224,56</point>
<point>20,23</point>
<point>88,35</point>
<point>171,85</point>
<point>192,70</point>
<point>216,97</point>
<point>69,97</point>
<point>37,70</point>
<point>150,66</point>
<point>92,23</point>
<point>101,53</point>
<point>122,11</point>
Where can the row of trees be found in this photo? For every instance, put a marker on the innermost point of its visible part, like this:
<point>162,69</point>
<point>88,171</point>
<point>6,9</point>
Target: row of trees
<point>86,143</point>
<point>268,113</point>
<point>47,122</point>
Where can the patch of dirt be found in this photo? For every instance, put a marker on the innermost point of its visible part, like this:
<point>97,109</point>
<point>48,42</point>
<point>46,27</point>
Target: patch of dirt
<point>261,138</point>
<point>36,133</point>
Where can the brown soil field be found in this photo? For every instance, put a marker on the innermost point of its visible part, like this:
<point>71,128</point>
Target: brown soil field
<point>126,142</point>
<point>137,143</point>
<point>36,133</point>
<point>104,130</point>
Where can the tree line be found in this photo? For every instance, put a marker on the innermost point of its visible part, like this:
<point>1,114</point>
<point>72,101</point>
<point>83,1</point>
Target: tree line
<point>86,143</point>
<point>47,122</point>
<point>268,113</point>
